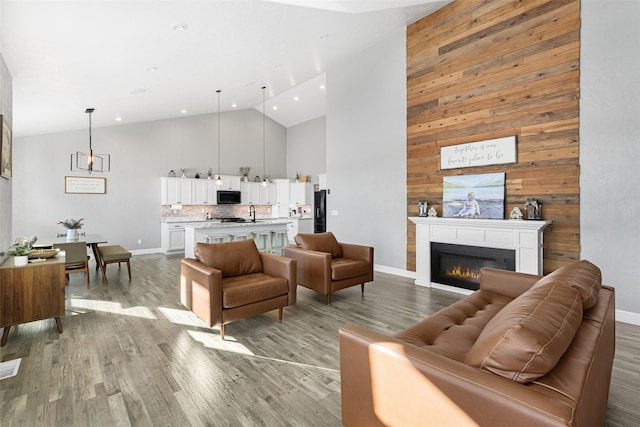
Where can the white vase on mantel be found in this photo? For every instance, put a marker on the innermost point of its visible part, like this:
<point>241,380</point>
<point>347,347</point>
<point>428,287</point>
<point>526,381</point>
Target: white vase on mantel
<point>72,234</point>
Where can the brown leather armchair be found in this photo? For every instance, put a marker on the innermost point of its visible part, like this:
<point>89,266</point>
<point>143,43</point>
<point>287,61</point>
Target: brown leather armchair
<point>326,266</point>
<point>232,281</point>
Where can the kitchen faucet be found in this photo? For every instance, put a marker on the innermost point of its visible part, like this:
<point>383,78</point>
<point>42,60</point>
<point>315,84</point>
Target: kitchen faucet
<point>252,212</point>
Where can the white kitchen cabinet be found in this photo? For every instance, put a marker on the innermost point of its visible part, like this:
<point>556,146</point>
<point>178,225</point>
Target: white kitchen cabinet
<point>301,193</point>
<point>229,182</point>
<point>280,208</point>
<point>268,194</point>
<point>299,225</point>
<point>249,193</point>
<point>204,192</point>
<point>172,237</point>
<point>176,191</point>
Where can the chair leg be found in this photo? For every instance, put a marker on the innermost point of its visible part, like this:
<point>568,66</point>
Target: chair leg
<point>222,332</point>
<point>362,286</point>
<point>129,270</point>
<point>329,299</point>
<point>280,313</point>
<point>86,273</point>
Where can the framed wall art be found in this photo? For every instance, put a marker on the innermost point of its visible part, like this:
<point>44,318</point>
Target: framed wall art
<point>5,149</point>
<point>84,185</point>
<point>473,196</point>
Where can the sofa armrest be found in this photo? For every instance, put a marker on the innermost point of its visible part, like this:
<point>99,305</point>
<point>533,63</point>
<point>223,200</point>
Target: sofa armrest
<point>313,268</point>
<point>201,290</point>
<point>386,382</point>
<point>279,266</point>
<point>505,282</point>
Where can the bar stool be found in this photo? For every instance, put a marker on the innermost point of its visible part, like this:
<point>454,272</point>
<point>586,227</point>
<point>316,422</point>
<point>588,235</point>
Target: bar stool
<point>217,238</point>
<point>263,240</point>
<point>240,236</point>
<point>279,241</point>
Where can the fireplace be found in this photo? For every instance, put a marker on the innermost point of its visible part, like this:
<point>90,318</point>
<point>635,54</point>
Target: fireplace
<point>459,265</point>
<point>522,238</point>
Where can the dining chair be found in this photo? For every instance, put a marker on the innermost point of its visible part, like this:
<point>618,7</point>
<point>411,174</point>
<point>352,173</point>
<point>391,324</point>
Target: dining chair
<point>76,259</point>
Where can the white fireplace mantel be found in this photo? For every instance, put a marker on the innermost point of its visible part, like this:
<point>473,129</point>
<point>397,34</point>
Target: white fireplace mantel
<point>524,237</point>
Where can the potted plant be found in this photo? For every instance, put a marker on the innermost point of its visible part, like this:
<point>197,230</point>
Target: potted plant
<point>72,227</point>
<point>244,171</point>
<point>20,250</point>
<point>209,173</point>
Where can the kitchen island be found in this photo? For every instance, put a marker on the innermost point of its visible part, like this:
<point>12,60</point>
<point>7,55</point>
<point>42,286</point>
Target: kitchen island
<point>200,232</point>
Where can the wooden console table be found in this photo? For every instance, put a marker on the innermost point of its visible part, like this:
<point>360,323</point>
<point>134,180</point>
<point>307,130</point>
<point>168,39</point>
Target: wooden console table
<point>32,292</point>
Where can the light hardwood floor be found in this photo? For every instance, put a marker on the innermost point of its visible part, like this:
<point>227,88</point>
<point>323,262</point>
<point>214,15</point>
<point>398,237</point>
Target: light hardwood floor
<point>130,354</point>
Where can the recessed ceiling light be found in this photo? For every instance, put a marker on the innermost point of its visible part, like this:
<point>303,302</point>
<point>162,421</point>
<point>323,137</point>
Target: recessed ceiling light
<point>138,91</point>
<point>322,87</point>
<point>295,98</point>
<point>275,107</point>
<point>183,111</point>
<point>234,105</point>
<point>118,119</point>
<point>180,27</point>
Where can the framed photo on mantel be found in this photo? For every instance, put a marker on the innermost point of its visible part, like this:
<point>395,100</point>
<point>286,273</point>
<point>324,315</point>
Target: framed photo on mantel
<point>5,149</point>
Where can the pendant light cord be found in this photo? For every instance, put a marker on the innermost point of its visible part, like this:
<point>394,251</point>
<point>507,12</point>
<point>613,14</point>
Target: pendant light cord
<point>219,180</point>
<point>264,139</point>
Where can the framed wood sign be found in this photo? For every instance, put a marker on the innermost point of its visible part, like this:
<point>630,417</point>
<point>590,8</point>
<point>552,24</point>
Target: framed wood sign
<point>85,185</point>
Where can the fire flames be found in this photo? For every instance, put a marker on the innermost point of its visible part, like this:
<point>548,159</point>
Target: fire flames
<point>463,273</point>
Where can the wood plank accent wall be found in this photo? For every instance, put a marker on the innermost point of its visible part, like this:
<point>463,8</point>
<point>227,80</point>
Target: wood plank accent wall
<point>479,70</point>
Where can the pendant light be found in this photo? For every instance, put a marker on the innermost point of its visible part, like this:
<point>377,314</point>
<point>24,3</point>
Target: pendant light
<point>264,141</point>
<point>89,161</point>
<point>219,179</point>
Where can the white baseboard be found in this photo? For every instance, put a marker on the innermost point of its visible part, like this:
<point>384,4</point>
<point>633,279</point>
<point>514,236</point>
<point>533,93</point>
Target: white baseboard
<point>146,251</point>
<point>628,317</point>
<point>395,271</point>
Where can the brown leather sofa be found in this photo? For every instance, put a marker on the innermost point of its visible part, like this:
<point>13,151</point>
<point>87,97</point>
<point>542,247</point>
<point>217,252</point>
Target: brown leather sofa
<point>326,266</point>
<point>522,350</point>
<point>232,281</point>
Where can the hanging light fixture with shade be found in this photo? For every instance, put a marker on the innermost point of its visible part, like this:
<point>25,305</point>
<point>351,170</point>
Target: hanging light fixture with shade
<point>90,161</point>
<point>265,181</point>
<point>219,179</point>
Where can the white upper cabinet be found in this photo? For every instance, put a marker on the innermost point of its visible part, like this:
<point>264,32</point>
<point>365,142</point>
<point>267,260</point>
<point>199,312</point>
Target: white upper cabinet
<point>204,192</point>
<point>229,182</point>
<point>301,193</point>
<point>176,191</point>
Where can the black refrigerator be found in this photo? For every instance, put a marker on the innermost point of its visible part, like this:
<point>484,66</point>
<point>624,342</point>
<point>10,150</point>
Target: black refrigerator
<point>320,211</point>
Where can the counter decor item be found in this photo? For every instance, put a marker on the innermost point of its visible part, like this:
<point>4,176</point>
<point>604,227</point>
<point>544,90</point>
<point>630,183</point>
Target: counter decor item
<point>72,227</point>
<point>422,208</point>
<point>209,173</point>
<point>516,213</point>
<point>432,213</point>
<point>533,209</point>
<point>172,173</point>
<point>183,170</point>
<point>244,171</point>
<point>43,253</point>
<point>20,250</point>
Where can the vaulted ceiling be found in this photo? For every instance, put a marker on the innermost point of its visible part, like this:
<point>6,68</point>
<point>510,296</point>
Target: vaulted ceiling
<point>146,60</point>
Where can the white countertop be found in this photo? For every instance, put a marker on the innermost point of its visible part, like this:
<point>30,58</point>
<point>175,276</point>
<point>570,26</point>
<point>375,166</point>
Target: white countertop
<point>217,224</point>
<point>186,220</point>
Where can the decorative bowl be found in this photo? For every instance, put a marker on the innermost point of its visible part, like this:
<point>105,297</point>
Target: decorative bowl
<point>43,253</point>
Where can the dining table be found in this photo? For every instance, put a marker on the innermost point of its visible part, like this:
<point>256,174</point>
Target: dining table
<point>92,240</point>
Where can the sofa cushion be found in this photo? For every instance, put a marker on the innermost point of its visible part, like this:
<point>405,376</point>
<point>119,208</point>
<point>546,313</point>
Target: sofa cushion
<point>322,242</point>
<point>342,268</point>
<point>231,258</point>
<point>585,277</point>
<point>525,340</point>
<point>250,288</point>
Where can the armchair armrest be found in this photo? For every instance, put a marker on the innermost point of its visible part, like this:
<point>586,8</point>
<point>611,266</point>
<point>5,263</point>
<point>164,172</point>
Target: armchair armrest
<point>388,382</point>
<point>359,252</point>
<point>279,266</point>
<point>313,268</point>
<point>201,290</point>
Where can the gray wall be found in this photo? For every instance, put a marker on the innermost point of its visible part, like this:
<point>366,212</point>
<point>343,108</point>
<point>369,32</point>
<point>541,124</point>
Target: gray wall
<point>140,154</point>
<point>610,146</point>
<point>366,150</point>
<point>307,148</point>
<point>6,109</point>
